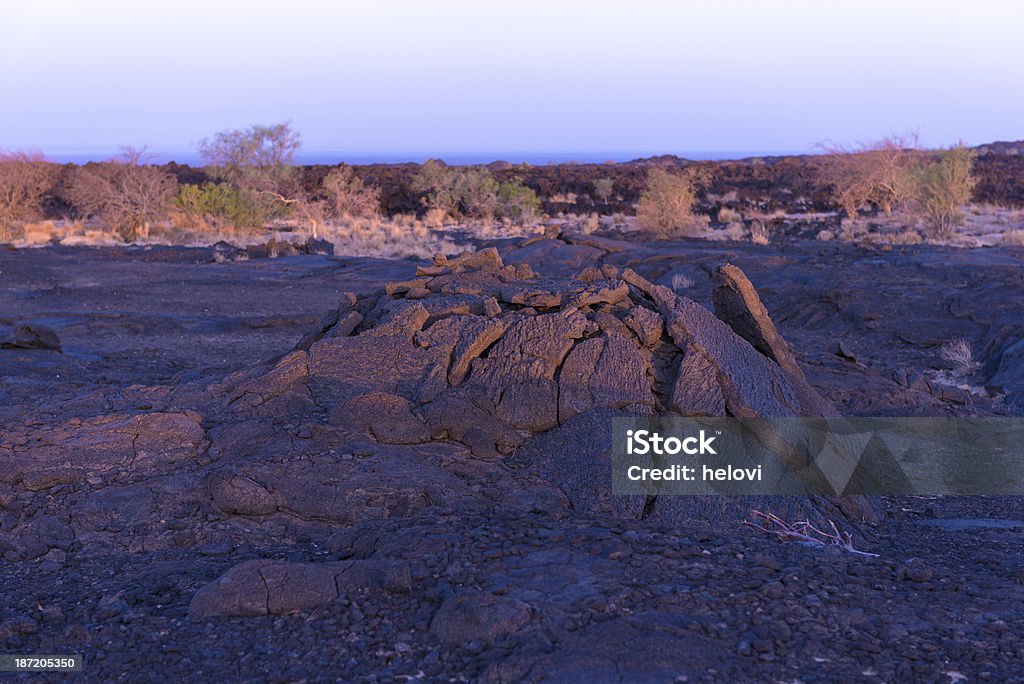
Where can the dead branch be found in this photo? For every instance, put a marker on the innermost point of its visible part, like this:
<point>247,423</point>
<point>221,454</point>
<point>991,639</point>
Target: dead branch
<point>804,531</point>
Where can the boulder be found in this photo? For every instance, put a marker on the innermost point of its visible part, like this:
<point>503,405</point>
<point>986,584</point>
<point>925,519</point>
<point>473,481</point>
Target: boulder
<point>386,417</point>
<point>241,495</point>
<point>33,336</point>
<point>473,614</point>
<point>265,587</point>
<point>492,375</point>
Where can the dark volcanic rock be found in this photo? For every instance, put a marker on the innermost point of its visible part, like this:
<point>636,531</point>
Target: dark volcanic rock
<point>392,500</point>
<point>737,303</point>
<point>472,369</point>
<point>387,418</point>
<point>266,587</point>
<point>1009,377</point>
<point>750,383</point>
<point>45,455</point>
<point>478,615</point>
<point>33,337</point>
<point>633,650</point>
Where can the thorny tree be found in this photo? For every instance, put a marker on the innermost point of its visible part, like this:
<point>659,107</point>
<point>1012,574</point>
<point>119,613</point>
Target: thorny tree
<point>25,179</point>
<point>260,162</point>
<point>124,193</point>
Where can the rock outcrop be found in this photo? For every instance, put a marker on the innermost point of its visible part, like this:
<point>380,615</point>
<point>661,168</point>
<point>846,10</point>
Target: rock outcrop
<point>487,354</point>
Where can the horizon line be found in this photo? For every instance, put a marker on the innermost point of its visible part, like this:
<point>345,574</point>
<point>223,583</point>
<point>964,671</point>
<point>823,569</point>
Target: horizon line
<point>537,157</point>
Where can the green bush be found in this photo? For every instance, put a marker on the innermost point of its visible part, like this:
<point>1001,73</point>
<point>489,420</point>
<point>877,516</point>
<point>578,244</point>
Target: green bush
<point>944,187</point>
<point>603,189</point>
<point>477,192</point>
<point>436,181</point>
<point>467,191</point>
<point>222,204</point>
<point>517,202</point>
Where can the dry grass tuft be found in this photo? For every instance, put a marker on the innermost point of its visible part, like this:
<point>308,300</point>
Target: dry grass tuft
<point>759,233</point>
<point>727,215</point>
<point>375,237</point>
<point>960,356</point>
<point>590,224</point>
<point>1014,237</point>
<point>681,282</point>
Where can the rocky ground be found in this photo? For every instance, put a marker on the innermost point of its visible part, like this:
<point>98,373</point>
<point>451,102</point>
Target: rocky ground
<point>320,468</point>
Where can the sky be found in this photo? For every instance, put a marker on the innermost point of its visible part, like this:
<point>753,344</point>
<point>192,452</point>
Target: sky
<point>394,79</point>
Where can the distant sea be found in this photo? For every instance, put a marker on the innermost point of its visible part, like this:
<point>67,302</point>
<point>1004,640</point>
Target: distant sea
<point>457,158</point>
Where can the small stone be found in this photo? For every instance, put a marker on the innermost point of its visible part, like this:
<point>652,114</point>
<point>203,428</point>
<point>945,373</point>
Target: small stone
<point>109,606</point>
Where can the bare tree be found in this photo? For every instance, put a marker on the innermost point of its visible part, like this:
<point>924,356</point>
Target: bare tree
<point>894,160</point>
<point>260,162</point>
<point>879,173</point>
<point>125,193</point>
<point>300,204</point>
<point>25,179</point>
<point>256,158</point>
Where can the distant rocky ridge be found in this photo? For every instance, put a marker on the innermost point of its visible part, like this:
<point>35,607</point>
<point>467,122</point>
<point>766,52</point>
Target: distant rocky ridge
<point>1000,147</point>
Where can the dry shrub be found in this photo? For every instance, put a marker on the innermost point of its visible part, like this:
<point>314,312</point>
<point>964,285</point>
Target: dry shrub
<point>727,215</point>
<point>666,206</point>
<point>348,195</point>
<point>960,356</point>
<point>375,237</point>
<point>681,282</point>
<point>492,230</point>
<point>851,230</point>
<point>25,179</point>
<point>734,231</point>
<point>435,217</point>
<point>908,236</point>
<point>759,232</point>
<point>879,173</point>
<point>803,532</point>
<point>590,224</point>
<point>124,193</point>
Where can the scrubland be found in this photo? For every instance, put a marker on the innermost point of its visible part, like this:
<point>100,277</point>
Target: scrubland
<point>251,192</point>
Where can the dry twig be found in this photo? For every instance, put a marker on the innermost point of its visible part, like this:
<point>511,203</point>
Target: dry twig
<point>804,531</point>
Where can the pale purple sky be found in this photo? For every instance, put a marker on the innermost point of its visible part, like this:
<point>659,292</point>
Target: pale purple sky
<point>414,77</point>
